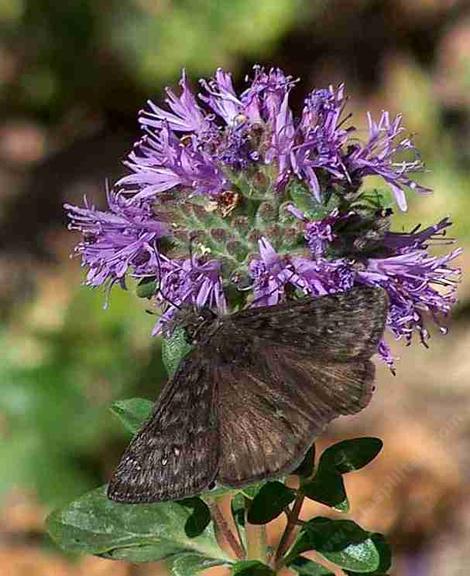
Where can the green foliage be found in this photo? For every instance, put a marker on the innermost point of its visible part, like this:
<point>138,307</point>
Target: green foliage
<point>306,567</point>
<point>120,49</point>
<point>199,519</point>
<point>190,563</point>
<point>174,349</point>
<point>199,35</point>
<point>132,413</point>
<point>350,455</point>
<point>385,556</point>
<point>251,568</point>
<point>147,532</point>
<point>183,532</point>
<point>327,486</point>
<point>269,502</point>
<point>342,542</point>
<point>57,383</point>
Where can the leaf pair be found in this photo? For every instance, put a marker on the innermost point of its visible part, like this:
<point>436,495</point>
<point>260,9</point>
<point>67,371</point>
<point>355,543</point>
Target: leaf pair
<point>327,486</point>
<point>342,542</point>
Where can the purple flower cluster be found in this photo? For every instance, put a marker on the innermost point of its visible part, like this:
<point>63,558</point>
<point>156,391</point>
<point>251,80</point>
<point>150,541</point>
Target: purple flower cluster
<point>213,199</point>
<point>114,241</point>
<point>224,136</point>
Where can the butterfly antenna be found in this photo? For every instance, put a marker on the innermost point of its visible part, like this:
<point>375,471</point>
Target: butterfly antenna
<point>192,237</point>
<point>159,266</point>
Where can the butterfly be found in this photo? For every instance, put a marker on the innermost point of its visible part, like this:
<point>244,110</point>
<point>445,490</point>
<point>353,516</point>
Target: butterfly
<point>256,389</point>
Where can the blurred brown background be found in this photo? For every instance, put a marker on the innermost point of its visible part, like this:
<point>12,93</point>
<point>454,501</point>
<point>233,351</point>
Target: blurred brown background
<point>73,74</point>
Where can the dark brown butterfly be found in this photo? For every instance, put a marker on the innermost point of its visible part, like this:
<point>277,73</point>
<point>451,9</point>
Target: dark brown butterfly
<point>255,391</point>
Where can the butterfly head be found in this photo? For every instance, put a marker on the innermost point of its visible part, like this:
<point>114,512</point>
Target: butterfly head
<point>193,321</point>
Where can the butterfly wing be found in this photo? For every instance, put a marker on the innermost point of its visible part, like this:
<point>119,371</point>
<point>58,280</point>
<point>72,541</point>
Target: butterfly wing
<point>303,364</point>
<point>248,402</point>
<point>272,409</point>
<point>339,326</point>
<point>176,453</point>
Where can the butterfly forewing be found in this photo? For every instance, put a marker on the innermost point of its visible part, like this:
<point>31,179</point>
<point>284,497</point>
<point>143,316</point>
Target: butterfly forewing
<point>340,326</point>
<point>176,453</point>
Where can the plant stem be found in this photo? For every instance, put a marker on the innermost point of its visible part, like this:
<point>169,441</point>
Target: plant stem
<point>288,536</point>
<point>255,539</point>
<point>224,529</point>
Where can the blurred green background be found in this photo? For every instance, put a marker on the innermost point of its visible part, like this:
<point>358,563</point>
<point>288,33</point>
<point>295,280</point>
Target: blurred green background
<point>73,74</point>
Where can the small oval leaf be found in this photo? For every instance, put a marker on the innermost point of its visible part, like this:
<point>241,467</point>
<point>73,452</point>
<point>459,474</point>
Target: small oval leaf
<point>200,516</point>
<point>269,502</point>
<point>306,467</point>
<point>351,455</point>
<point>174,349</point>
<point>327,487</point>
<point>132,412</point>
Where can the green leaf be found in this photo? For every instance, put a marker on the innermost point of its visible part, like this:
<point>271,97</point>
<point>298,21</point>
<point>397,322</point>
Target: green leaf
<point>252,490</point>
<point>238,509</point>
<point>199,519</point>
<point>384,551</point>
<point>269,502</point>
<point>342,542</point>
<point>385,556</point>
<point>306,567</point>
<point>251,568</point>
<point>132,412</point>
<point>217,492</point>
<point>93,524</point>
<point>146,288</point>
<point>174,349</point>
<point>306,202</point>
<point>351,455</point>
<point>188,564</point>
<point>327,487</point>
<point>305,469</point>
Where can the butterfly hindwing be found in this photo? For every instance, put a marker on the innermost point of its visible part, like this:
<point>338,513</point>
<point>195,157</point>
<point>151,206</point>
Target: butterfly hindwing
<point>176,453</point>
<point>272,409</point>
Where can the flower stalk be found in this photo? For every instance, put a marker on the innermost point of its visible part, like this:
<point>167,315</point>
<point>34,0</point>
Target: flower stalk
<point>288,536</point>
<point>224,530</point>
